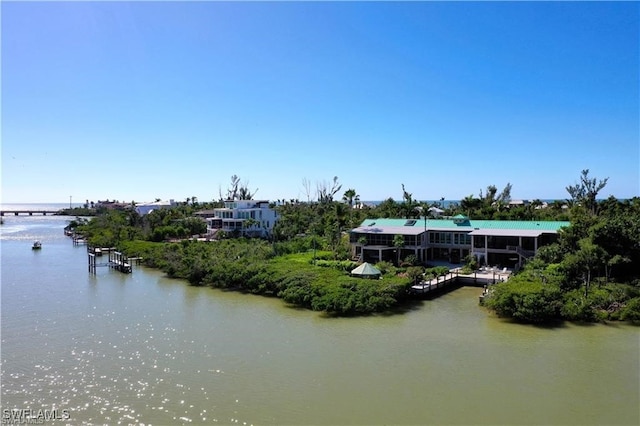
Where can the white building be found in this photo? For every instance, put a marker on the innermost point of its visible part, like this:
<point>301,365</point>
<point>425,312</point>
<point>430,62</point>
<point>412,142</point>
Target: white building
<point>250,218</point>
<point>146,208</point>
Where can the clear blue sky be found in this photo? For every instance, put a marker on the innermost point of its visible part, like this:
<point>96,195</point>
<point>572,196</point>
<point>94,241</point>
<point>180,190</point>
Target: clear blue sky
<point>137,101</point>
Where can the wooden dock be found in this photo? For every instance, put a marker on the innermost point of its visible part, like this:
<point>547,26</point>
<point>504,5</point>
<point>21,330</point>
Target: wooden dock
<point>117,261</point>
<point>483,277</point>
<point>434,284</point>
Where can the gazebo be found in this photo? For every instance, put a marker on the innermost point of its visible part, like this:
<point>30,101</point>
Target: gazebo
<point>366,270</point>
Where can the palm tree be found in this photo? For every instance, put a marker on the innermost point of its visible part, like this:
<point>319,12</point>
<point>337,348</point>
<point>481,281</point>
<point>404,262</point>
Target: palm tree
<point>348,196</point>
<point>398,243</point>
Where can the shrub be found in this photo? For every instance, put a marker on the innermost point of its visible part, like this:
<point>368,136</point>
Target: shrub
<point>576,307</point>
<point>525,301</point>
<point>436,271</point>
<point>631,312</point>
<point>410,260</point>
<point>414,273</point>
<point>384,266</point>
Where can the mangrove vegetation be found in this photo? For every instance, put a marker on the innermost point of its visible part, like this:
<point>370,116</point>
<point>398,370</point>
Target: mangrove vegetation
<point>589,274</point>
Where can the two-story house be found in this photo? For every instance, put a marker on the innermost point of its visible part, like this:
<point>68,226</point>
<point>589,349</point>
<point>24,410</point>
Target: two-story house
<point>251,218</point>
<point>493,242</point>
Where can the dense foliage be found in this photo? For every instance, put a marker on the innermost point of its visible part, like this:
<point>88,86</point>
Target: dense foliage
<point>252,266</point>
<point>589,274</point>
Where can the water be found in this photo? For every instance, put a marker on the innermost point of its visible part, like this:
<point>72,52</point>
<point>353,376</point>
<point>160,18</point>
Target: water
<point>141,348</point>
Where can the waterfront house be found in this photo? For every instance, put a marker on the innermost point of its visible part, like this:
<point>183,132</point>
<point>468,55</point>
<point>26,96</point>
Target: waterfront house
<point>110,205</point>
<point>251,218</point>
<point>146,208</point>
<point>507,243</point>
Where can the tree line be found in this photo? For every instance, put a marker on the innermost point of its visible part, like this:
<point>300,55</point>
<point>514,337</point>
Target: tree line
<point>587,275</point>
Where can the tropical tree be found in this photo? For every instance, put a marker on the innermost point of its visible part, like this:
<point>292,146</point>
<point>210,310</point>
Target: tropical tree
<point>398,243</point>
<point>249,223</point>
<point>409,206</point>
<point>586,191</point>
<point>349,196</point>
<point>470,205</point>
<point>244,193</point>
<point>388,208</point>
<point>326,192</point>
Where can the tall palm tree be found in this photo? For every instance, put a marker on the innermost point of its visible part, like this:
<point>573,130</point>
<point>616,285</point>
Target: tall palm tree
<point>398,243</point>
<point>349,196</point>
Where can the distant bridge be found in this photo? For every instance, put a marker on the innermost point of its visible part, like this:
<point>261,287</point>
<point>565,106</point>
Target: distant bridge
<point>29,212</point>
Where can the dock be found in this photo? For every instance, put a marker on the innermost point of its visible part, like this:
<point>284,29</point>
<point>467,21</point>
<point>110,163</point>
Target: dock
<point>117,261</point>
<point>78,240</point>
<point>434,284</point>
<point>482,277</point>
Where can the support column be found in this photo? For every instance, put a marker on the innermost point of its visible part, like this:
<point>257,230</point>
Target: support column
<point>486,249</point>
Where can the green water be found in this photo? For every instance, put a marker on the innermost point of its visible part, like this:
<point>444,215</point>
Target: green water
<point>142,348</point>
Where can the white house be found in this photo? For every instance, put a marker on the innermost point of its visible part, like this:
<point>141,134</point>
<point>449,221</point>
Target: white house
<point>252,218</point>
<point>146,208</point>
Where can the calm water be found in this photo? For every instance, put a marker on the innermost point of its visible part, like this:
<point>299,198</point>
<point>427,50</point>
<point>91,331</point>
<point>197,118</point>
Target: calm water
<point>141,348</point>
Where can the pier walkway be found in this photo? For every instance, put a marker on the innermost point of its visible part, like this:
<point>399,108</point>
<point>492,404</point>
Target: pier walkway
<point>484,276</point>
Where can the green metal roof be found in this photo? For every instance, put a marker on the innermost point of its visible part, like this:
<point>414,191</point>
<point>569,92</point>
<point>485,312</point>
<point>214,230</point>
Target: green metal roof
<point>470,225</point>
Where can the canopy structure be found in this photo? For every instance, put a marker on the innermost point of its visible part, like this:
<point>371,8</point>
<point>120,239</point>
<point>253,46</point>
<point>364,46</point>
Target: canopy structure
<point>366,270</point>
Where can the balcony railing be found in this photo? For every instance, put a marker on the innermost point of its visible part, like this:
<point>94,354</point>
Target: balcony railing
<point>522,252</point>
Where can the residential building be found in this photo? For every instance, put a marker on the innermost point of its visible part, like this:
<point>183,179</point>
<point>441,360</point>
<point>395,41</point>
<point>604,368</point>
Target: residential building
<point>146,208</point>
<point>250,218</point>
<point>494,242</point>
<point>110,205</point>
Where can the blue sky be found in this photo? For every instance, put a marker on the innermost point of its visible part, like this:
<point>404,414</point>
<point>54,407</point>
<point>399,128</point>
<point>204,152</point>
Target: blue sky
<point>137,101</point>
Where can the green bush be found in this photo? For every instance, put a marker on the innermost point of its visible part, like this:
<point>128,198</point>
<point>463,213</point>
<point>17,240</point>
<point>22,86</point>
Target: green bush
<point>577,307</point>
<point>436,271</point>
<point>385,267</point>
<point>341,265</point>
<point>631,311</point>
<point>411,260</point>
<point>525,301</point>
